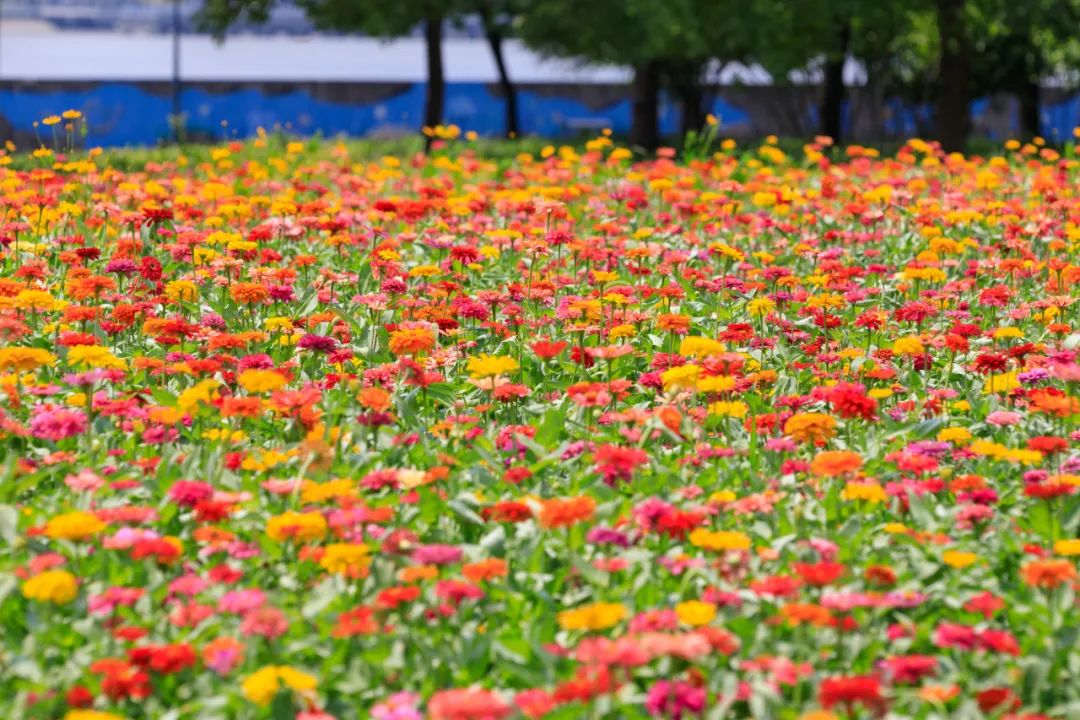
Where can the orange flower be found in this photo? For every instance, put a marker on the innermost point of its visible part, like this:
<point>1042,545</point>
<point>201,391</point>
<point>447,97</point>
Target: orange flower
<point>1048,573</point>
<point>673,323</point>
<point>810,427</point>
<point>418,573</point>
<point>938,693</point>
<point>1057,405</point>
<point>833,463</point>
<point>247,293</point>
<point>566,512</point>
<point>241,407</point>
<point>806,613</point>
<point>485,569</point>
<point>374,398</point>
<point>411,341</point>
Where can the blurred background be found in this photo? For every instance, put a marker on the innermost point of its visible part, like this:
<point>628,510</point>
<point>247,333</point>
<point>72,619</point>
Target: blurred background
<point>148,71</point>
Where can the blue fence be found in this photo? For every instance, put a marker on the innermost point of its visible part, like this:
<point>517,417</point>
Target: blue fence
<point>138,113</point>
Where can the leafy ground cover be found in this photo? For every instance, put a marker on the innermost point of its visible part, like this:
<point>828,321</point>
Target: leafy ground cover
<point>290,433</point>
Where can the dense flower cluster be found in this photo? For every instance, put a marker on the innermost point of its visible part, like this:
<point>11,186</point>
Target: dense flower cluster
<point>291,433</point>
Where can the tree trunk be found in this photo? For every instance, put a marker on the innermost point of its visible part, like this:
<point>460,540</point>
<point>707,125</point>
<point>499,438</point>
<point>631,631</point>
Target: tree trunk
<point>436,81</point>
<point>687,82</point>
<point>952,112</point>
<point>645,105</point>
<point>833,91</point>
<point>1030,120</point>
<point>509,92</point>
<point>693,112</point>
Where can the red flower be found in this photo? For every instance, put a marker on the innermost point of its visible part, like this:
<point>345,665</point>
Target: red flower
<point>985,603</point>
<point>467,704</point>
<point>508,511</point>
<point>546,349</point>
<point>79,697</point>
<point>359,621</point>
<point>992,698</point>
<point>821,573</point>
<point>910,669</point>
<point>164,659</point>
<point>849,691</point>
<point>849,400</point>
<point>618,463</point>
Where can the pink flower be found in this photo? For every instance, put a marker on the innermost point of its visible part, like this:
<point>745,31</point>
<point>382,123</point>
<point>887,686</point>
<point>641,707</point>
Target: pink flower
<point>241,602</point>
<point>436,555</point>
<point>399,706</point>
<point>85,481</point>
<point>675,699</point>
<point>126,538</point>
<point>267,622</point>
<point>1003,417</point>
<point>51,422</point>
<point>281,487</point>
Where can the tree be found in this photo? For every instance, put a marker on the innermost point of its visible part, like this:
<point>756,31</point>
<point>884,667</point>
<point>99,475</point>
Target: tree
<point>819,37</point>
<point>953,100</point>
<point>666,43</point>
<point>1018,45</point>
<point>497,17</point>
<point>382,19</point>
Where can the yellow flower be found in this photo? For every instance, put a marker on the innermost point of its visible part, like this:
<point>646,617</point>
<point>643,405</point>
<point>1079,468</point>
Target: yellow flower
<point>91,715</point>
<point>715,384</point>
<point>957,435</point>
<point>870,492</point>
<point>182,290</point>
<point>202,392</point>
<point>1067,547</point>
<point>424,271</point>
<point>908,346</point>
<point>700,347</point>
<point>958,558</point>
<point>735,409</point>
<point>683,376</point>
<point>764,199</point>
<point>482,366</point>
<point>34,300</point>
<point>94,356</point>
<point>262,685</point>
<point>342,558</point>
<point>314,492</point>
<point>296,526</point>
<point>1008,332</point>
<point>54,586</point>
<point>24,359</point>
<point>727,251</point>
<point>760,306</point>
<point>989,449</point>
<point>76,525</point>
<point>1001,383</point>
<point>1023,456</point>
<point>719,540</point>
<point>598,616</point>
<point>695,612</point>
<point>722,496</point>
<point>259,381</point>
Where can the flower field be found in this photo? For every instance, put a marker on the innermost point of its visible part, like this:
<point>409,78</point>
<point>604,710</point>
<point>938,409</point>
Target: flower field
<point>292,433</point>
